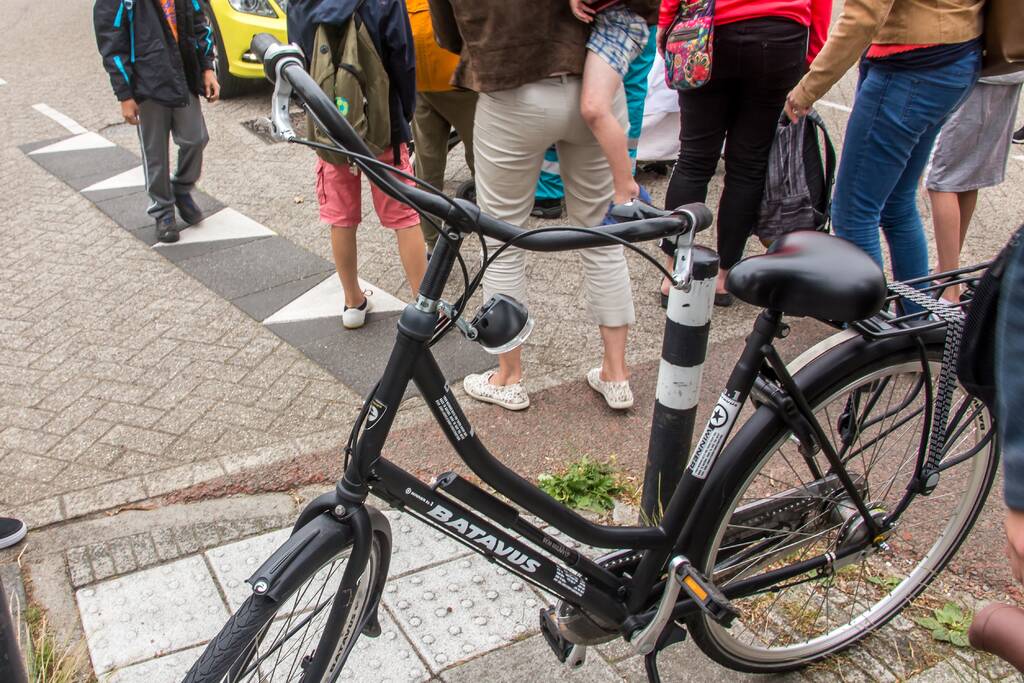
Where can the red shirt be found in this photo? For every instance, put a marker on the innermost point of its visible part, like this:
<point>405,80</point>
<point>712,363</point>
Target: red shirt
<point>815,14</point>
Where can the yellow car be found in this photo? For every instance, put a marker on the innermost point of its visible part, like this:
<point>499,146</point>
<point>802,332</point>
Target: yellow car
<point>234,24</point>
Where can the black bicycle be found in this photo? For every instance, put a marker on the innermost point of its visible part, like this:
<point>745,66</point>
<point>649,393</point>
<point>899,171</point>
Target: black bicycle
<point>853,482</point>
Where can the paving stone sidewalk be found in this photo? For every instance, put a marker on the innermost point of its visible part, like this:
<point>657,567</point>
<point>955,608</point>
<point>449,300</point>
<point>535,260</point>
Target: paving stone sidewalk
<point>448,615</point>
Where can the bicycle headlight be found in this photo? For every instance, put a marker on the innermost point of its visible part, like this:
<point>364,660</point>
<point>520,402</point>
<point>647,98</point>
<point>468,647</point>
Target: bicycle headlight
<point>259,7</point>
<point>502,324</point>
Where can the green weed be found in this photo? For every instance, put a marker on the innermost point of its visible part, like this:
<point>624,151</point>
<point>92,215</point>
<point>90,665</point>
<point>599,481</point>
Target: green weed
<point>585,485</point>
<point>948,624</point>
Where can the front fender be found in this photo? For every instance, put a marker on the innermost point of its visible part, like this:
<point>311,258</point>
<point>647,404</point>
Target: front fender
<point>310,546</point>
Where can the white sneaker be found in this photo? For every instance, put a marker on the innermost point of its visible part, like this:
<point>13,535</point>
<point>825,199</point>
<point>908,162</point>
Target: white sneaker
<point>354,318</point>
<point>510,396</point>
<point>617,395</point>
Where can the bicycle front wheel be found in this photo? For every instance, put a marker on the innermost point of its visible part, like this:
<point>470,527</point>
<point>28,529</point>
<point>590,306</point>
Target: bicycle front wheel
<point>272,641</point>
<point>782,506</point>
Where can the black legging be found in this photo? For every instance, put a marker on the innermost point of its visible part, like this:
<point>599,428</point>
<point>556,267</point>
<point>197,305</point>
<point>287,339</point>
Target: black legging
<point>755,63</point>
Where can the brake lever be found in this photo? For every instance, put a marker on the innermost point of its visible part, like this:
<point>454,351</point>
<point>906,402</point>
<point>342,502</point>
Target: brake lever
<point>682,276</point>
<point>280,119</point>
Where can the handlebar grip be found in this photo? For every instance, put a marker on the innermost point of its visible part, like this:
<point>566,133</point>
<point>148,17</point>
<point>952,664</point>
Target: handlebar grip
<point>702,216</point>
<point>261,42</point>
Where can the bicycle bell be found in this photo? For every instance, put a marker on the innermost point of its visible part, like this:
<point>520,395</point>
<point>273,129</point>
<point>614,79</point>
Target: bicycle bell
<point>502,324</point>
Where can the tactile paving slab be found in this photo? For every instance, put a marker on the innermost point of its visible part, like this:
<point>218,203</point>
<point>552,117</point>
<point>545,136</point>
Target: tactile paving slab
<point>167,669</point>
<point>414,545</point>
<point>233,564</point>
<point>152,612</point>
<point>460,609</point>
<point>389,658</point>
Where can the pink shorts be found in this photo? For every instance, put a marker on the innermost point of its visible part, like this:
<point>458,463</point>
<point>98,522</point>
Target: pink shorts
<point>339,191</point>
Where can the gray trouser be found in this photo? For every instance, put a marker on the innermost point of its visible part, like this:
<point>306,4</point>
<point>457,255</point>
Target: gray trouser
<point>157,123</point>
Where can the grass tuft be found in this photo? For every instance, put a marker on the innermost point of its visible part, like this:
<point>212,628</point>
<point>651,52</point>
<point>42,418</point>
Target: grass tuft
<point>51,661</point>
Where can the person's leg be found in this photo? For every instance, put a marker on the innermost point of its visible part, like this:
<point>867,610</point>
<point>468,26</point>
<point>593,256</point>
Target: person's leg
<point>772,59</point>
<point>399,217</point>
<point>511,133</point>
<point>344,251</point>
<point>635,85</point>
<point>946,220</point>
<point>458,107</point>
<point>155,121</point>
<point>1009,375</point>
<point>895,120</point>
<point>607,290</point>
<point>191,136</point>
<point>600,84</point>
<point>704,117</point>
<point>339,195</point>
<point>430,131</point>
<point>412,252</point>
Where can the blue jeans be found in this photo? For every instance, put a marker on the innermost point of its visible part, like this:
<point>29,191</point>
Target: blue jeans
<point>897,114</point>
<point>1010,376</point>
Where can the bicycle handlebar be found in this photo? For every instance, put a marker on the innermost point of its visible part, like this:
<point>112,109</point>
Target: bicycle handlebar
<point>286,62</point>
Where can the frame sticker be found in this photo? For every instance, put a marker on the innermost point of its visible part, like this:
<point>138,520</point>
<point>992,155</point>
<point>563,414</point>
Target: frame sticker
<point>375,413</point>
<point>711,441</point>
<point>447,410</point>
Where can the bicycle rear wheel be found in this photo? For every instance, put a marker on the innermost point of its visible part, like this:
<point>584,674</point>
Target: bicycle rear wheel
<point>777,511</point>
<point>271,641</point>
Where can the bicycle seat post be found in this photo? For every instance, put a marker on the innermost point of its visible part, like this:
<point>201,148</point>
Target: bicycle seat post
<point>683,352</point>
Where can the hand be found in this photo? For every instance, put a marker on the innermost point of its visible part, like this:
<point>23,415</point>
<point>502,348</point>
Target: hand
<point>130,111</point>
<point>1015,542</point>
<point>582,11</point>
<point>211,86</point>
<point>793,110</point>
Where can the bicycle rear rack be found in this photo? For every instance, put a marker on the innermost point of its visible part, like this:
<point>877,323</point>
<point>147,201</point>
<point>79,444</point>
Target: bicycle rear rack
<point>901,316</point>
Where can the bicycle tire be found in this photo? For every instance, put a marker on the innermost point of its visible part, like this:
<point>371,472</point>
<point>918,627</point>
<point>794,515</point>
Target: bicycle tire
<point>222,660</point>
<point>856,363</point>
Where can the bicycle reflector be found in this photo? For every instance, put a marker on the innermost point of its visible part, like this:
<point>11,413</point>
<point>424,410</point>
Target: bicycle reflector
<point>502,324</point>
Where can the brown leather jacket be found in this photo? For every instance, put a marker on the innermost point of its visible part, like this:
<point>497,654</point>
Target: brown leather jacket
<point>887,22</point>
<point>504,44</point>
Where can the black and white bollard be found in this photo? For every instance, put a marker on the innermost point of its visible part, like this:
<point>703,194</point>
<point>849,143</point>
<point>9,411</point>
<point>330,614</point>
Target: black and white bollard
<point>683,351</point>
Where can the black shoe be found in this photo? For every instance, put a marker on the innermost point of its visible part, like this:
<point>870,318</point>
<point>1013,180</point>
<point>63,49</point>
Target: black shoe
<point>723,299</point>
<point>547,208</point>
<point>167,229</point>
<point>188,209</point>
<point>1018,136</point>
<point>11,531</point>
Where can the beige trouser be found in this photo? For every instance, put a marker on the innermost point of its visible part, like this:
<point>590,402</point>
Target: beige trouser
<point>513,129</point>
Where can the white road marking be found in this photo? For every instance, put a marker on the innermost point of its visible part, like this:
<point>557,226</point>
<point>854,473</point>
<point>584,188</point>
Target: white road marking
<point>62,119</point>
<point>226,224</point>
<point>326,300</point>
<point>3,82</point>
<point>135,177</point>
<point>76,143</point>
<point>835,105</point>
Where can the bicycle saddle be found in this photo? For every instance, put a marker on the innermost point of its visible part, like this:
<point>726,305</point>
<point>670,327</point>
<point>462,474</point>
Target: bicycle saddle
<point>812,274</point>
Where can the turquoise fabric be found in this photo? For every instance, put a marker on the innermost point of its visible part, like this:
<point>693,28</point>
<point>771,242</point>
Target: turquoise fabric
<point>549,185</point>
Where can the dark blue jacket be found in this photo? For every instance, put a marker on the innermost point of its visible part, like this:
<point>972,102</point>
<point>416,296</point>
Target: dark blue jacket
<point>140,53</point>
<point>388,25</point>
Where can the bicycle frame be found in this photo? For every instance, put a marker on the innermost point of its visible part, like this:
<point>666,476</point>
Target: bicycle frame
<point>451,504</point>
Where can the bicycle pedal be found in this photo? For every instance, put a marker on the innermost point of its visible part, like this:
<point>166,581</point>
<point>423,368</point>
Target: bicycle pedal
<point>559,645</point>
<point>706,594</point>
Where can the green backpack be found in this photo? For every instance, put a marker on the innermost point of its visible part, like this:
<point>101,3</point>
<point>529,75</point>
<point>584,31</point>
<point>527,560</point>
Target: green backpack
<point>346,66</point>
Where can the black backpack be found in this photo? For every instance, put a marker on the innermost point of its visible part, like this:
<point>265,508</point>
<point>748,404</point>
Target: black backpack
<point>975,365</point>
<point>798,185</point>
